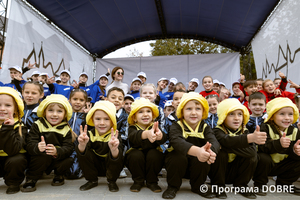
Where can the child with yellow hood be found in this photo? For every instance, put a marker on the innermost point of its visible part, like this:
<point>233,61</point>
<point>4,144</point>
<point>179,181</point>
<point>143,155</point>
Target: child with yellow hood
<point>50,142</point>
<point>280,155</point>
<point>100,151</point>
<point>195,146</point>
<point>13,161</point>
<point>237,158</point>
<point>144,159</point>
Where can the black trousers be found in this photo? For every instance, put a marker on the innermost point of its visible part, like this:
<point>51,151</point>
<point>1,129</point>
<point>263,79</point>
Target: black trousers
<point>180,166</point>
<point>238,172</point>
<point>93,166</point>
<point>45,163</point>
<point>287,171</point>
<point>12,168</point>
<point>144,165</point>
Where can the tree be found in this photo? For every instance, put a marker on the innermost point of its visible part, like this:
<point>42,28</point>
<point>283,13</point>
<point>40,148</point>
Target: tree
<point>189,46</point>
<point>135,53</point>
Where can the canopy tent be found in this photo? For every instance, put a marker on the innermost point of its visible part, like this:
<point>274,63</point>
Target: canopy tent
<point>104,26</point>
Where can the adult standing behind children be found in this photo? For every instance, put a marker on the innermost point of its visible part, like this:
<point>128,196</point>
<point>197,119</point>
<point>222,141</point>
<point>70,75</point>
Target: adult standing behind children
<point>117,75</point>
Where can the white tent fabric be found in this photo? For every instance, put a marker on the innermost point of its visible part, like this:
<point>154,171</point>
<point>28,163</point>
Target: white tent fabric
<point>30,38</point>
<point>224,67</point>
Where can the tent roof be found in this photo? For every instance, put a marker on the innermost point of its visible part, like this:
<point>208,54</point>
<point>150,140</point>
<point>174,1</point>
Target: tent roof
<point>102,26</point>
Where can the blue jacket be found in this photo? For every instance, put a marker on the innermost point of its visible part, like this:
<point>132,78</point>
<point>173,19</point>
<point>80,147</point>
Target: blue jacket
<point>76,120</point>
<point>96,93</point>
<point>30,115</point>
<point>212,120</point>
<point>169,95</point>
<point>46,91</point>
<point>1,84</point>
<point>122,126</point>
<point>135,94</point>
<point>253,121</point>
<point>61,89</point>
<point>162,100</point>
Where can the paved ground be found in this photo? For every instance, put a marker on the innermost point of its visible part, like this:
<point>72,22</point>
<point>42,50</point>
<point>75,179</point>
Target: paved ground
<point>70,190</point>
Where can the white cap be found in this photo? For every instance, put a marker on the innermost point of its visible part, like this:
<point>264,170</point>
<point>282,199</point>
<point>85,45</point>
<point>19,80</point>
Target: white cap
<point>136,79</point>
<point>168,103</point>
<point>195,80</point>
<point>221,83</point>
<point>44,74</point>
<point>143,74</point>
<point>103,75</point>
<point>128,96</point>
<point>216,81</point>
<point>65,71</point>
<point>164,79</point>
<point>57,79</point>
<point>83,73</point>
<point>174,80</point>
<point>35,73</point>
<point>16,67</point>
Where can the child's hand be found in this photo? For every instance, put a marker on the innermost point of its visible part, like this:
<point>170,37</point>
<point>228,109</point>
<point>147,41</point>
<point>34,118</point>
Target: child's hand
<point>113,144</point>
<point>157,131</point>
<point>258,137</point>
<point>51,150</point>
<point>42,144</point>
<point>277,92</point>
<point>19,77</point>
<point>151,135</point>
<point>88,107</point>
<point>297,148</point>
<point>83,139</point>
<point>282,76</point>
<point>10,120</point>
<point>75,84</point>
<point>293,85</point>
<point>50,80</point>
<point>202,154</point>
<point>285,141</point>
<point>31,66</point>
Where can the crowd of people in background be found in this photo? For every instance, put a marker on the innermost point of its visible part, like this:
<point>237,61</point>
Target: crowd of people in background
<point>221,135</point>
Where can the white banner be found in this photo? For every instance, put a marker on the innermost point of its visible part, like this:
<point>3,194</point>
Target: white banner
<point>31,38</point>
<point>277,44</point>
<point>224,67</point>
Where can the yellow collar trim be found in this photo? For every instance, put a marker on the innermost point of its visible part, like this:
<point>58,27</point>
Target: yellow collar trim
<point>140,128</point>
<point>101,138</point>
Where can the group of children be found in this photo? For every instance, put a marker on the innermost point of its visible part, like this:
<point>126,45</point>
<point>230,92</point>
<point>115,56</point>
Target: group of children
<point>193,136</point>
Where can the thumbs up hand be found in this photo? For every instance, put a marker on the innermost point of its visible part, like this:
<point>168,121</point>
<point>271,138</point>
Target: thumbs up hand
<point>42,144</point>
<point>157,131</point>
<point>297,148</point>
<point>285,141</point>
<point>259,137</point>
<point>202,154</point>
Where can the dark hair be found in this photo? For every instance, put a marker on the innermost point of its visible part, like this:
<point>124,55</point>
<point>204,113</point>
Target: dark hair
<point>79,90</point>
<point>275,79</point>
<point>207,77</point>
<point>102,88</point>
<point>257,95</point>
<point>179,84</point>
<point>40,86</point>
<point>115,89</point>
<point>260,79</point>
<point>211,96</point>
<point>180,90</point>
<point>297,97</point>
<point>249,82</point>
<point>114,71</point>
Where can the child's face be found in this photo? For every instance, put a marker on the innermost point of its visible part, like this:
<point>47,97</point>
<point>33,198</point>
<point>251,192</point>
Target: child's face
<point>216,87</point>
<point>143,79</point>
<point>136,85</point>
<point>148,93</point>
<point>127,105</point>
<point>192,113</point>
<point>257,107</point>
<point>42,79</point>
<point>31,94</point>
<point>176,99</point>
<point>277,83</point>
<point>83,78</point>
<point>64,77</point>
<point>207,84</point>
<point>55,114</point>
<point>269,87</point>
<point>7,107</point>
<point>234,119</point>
<point>192,86</point>
<point>35,77</point>
<point>162,84</point>
<point>77,101</point>
<point>143,117</point>
<point>103,81</point>
<point>171,87</point>
<point>250,89</point>
<point>14,73</point>
<point>102,122</point>
<point>116,98</point>
<point>283,118</point>
<point>259,85</point>
<point>213,104</point>
<point>235,88</point>
<point>168,110</point>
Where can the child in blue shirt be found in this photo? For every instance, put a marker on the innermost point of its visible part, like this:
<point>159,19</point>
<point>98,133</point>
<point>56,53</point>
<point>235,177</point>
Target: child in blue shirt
<point>213,102</point>
<point>136,85</point>
<point>171,88</point>
<point>63,88</point>
<point>98,91</point>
